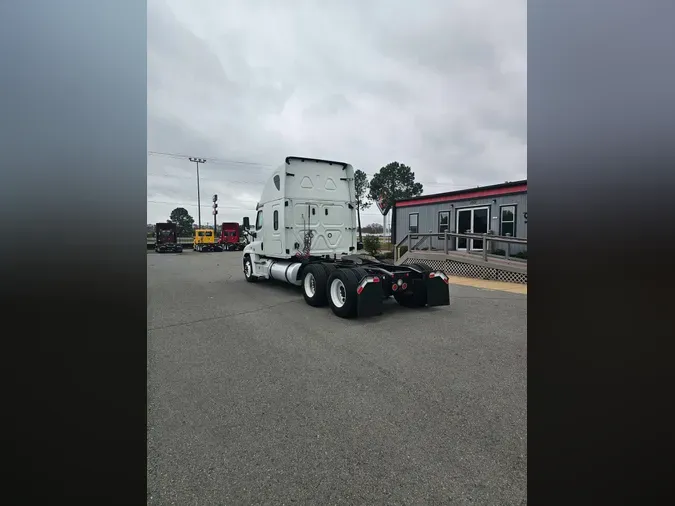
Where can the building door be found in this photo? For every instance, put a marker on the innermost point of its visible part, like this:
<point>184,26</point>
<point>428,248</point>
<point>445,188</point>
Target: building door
<point>472,221</point>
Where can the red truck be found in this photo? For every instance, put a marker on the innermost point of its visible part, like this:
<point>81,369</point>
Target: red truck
<point>230,238</point>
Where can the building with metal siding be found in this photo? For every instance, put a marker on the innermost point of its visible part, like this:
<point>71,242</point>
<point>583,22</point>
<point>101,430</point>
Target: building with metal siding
<point>499,209</point>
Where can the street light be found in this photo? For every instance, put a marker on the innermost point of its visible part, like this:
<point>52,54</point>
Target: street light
<point>199,203</point>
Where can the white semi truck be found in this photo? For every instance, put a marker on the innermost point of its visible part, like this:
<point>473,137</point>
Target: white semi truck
<point>305,234</point>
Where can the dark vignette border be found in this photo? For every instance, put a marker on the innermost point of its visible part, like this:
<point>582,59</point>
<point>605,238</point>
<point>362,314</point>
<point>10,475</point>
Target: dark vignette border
<point>72,182</point>
<point>601,120</point>
<point>73,192</point>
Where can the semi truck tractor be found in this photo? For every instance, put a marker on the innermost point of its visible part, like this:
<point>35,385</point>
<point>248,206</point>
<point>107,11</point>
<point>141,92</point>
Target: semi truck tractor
<point>205,240</point>
<point>230,239</point>
<point>166,238</point>
<point>305,234</point>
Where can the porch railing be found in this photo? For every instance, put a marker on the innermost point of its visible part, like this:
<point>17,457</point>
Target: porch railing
<point>449,240</point>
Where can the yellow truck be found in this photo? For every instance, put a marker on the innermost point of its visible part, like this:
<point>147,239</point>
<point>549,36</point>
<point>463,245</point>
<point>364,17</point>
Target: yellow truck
<point>205,240</point>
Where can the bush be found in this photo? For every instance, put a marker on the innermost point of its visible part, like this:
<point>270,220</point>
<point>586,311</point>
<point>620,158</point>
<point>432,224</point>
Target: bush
<point>371,243</point>
<point>521,254</point>
<point>403,250</point>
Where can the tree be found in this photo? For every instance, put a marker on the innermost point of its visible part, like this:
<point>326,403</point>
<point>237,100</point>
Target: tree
<point>395,181</point>
<point>361,185</point>
<point>183,221</point>
<point>373,228</point>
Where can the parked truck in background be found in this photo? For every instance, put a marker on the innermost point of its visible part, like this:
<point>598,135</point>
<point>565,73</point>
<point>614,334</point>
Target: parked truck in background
<point>305,234</point>
<point>230,237</point>
<point>205,240</point>
<point>166,238</point>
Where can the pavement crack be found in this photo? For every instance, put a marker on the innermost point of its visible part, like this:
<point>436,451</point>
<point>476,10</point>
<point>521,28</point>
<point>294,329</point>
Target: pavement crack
<point>214,318</point>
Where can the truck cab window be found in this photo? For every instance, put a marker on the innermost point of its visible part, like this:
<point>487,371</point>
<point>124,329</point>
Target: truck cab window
<point>259,220</point>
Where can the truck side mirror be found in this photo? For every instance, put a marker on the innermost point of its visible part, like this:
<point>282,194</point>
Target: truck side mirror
<point>247,223</point>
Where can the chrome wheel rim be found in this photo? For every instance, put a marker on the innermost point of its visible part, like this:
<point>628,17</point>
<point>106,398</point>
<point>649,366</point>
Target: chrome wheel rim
<point>338,293</point>
<point>310,285</point>
<point>247,268</point>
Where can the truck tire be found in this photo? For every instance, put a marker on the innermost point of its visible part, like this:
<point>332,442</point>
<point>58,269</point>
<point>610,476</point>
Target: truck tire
<point>360,273</point>
<point>329,268</point>
<point>341,292</point>
<point>314,279</point>
<point>248,270</point>
<point>411,299</point>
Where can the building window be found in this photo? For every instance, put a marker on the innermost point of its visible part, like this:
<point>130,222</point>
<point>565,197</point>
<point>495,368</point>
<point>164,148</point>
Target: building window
<point>507,221</point>
<point>276,220</point>
<point>443,221</point>
<point>259,220</point>
<point>413,223</point>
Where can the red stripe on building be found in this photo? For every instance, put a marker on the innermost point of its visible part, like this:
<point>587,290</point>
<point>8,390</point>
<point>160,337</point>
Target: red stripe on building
<point>470,195</point>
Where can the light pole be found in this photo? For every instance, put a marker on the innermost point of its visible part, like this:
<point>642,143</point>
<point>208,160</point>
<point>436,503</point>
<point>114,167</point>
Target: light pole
<point>199,203</point>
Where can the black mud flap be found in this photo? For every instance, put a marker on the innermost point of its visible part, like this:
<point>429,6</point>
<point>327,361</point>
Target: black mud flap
<point>438,292</point>
<point>369,302</point>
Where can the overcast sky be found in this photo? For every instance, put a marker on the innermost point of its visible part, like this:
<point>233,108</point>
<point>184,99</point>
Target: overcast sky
<point>439,85</point>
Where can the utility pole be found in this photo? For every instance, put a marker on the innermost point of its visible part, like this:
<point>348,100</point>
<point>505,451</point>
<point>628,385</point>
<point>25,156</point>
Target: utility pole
<point>199,203</point>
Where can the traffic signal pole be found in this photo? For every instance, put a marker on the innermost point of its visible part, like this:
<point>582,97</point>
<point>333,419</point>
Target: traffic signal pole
<point>215,215</point>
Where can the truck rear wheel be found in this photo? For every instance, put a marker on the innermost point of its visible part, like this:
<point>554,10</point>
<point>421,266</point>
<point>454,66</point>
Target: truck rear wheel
<point>341,292</point>
<point>314,279</point>
<point>411,299</point>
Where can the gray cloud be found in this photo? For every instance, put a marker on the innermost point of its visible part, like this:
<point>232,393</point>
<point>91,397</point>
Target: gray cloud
<point>437,84</point>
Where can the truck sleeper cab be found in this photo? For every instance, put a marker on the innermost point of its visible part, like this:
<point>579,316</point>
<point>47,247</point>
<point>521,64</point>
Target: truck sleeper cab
<point>305,235</point>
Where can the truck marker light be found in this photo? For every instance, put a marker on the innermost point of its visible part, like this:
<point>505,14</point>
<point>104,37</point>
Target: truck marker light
<point>394,287</point>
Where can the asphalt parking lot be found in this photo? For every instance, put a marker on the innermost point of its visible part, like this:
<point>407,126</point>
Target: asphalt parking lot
<point>256,398</point>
